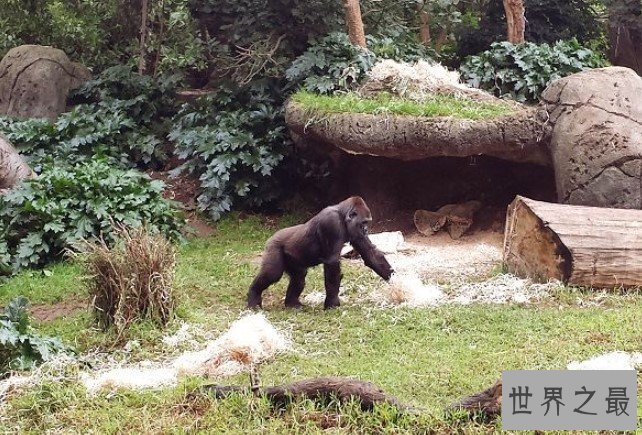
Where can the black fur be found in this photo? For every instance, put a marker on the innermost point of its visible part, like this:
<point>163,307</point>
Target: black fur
<point>318,241</point>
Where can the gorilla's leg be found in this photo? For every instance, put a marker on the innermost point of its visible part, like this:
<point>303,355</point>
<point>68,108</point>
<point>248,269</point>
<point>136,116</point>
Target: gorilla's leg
<point>295,288</point>
<point>271,271</point>
<point>332,275</point>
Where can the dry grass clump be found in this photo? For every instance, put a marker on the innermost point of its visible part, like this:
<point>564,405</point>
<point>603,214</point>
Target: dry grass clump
<point>420,81</point>
<point>133,280</point>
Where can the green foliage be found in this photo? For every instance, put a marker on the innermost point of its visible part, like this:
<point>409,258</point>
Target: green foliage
<point>546,21</point>
<point>260,38</point>
<point>123,116</point>
<point>234,141</point>
<point>523,71</point>
<point>182,46</point>
<point>21,348</point>
<point>43,217</point>
<point>334,64</point>
<point>87,30</point>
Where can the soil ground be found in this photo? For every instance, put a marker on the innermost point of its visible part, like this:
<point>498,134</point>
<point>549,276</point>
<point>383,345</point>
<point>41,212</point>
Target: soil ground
<point>49,312</point>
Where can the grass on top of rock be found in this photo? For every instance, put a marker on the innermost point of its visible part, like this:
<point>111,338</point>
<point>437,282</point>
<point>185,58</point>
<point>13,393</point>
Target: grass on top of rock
<point>385,103</point>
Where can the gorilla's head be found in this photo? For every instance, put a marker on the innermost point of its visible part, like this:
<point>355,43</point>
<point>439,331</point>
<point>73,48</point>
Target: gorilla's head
<point>357,216</point>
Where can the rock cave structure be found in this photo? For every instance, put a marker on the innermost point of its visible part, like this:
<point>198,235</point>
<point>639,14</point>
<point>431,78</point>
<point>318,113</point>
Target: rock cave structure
<point>581,145</point>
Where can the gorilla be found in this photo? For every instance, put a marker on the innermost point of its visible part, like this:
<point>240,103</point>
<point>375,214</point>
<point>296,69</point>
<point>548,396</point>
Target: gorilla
<point>293,250</point>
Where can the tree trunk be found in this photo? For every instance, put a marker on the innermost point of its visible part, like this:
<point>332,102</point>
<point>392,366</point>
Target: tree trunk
<point>424,24</point>
<point>625,34</point>
<point>354,22</point>
<point>578,245</point>
<point>441,38</point>
<point>515,20</point>
<point>144,10</point>
<point>12,167</point>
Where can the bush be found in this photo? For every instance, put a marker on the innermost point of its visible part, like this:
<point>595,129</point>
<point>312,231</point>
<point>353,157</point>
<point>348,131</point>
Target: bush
<point>43,217</point>
<point>122,116</point>
<point>334,64</point>
<point>547,21</point>
<point>133,280</point>
<point>21,348</point>
<point>234,141</point>
<point>523,71</point>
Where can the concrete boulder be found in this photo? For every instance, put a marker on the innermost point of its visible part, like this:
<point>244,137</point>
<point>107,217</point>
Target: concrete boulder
<point>36,80</point>
<point>596,139</point>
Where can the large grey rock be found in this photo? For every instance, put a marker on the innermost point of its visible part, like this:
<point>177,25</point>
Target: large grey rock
<point>13,168</point>
<point>596,139</point>
<point>35,81</point>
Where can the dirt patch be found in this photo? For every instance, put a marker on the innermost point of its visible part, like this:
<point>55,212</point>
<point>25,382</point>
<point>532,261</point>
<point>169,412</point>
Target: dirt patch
<point>439,258</point>
<point>198,226</point>
<point>183,188</point>
<point>49,312</point>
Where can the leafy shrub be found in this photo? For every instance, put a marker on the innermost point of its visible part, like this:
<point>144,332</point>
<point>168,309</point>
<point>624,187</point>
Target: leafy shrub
<point>547,21</point>
<point>523,71</point>
<point>122,116</point>
<point>333,63</point>
<point>234,140</point>
<point>42,217</point>
<point>133,280</point>
<point>21,348</point>
<point>145,98</point>
<point>87,30</point>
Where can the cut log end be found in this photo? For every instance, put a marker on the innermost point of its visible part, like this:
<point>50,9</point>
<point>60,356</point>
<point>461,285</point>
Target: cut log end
<point>582,246</point>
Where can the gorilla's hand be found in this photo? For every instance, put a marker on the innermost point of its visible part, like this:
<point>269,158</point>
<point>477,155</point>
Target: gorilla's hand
<point>381,266</point>
<point>372,257</point>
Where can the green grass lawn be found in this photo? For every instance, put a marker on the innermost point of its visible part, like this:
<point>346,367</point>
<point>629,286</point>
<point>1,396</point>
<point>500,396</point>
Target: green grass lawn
<point>428,358</point>
<point>384,103</point>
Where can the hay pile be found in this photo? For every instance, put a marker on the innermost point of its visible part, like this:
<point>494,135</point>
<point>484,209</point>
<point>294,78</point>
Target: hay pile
<point>250,340</point>
<point>502,289</point>
<point>418,81</point>
<point>134,378</point>
<point>443,259</point>
<point>408,290</point>
<point>616,360</point>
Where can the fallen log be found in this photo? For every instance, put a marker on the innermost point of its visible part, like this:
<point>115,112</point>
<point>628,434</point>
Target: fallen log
<point>578,245</point>
<point>457,218</point>
<point>487,402</point>
<point>323,388</point>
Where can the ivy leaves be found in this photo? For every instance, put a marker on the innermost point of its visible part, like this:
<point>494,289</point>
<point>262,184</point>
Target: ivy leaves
<point>334,64</point>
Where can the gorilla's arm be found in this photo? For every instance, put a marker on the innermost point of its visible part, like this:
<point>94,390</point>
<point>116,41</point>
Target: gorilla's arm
<point>372,257</point>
